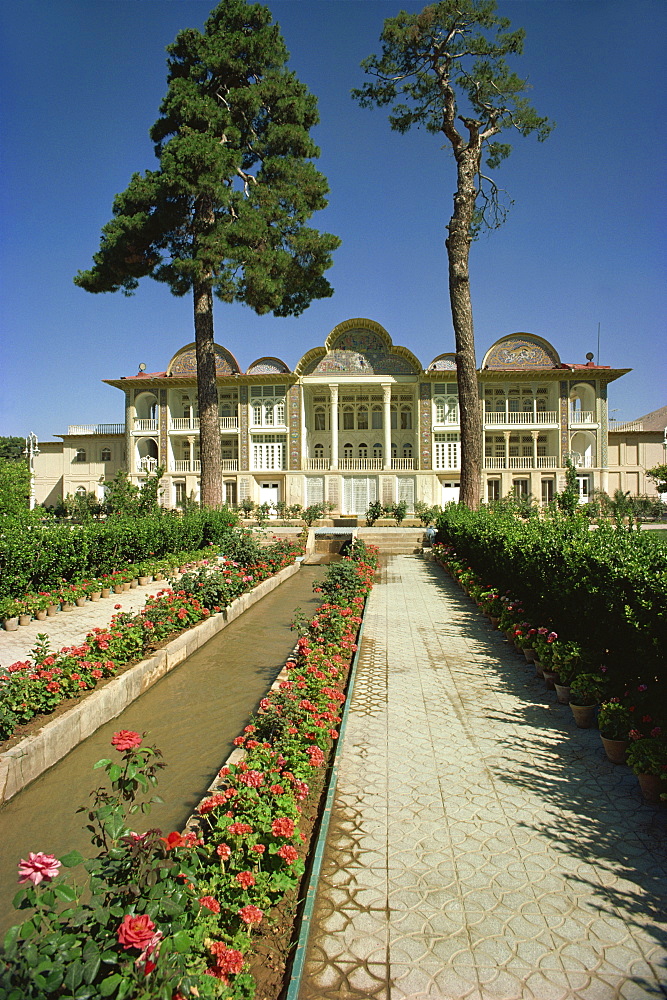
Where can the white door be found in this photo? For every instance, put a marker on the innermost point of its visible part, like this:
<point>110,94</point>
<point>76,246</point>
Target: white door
<point>450,493</point>
<point>358,493</point>
<point>269,493</point>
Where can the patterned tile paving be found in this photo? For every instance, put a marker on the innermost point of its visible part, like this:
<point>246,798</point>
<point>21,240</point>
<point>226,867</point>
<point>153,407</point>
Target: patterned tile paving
<point>481,846</point>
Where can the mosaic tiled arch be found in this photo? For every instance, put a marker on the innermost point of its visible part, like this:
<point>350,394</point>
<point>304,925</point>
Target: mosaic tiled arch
<point>359,347</point>
<point>184,362</point>
<point>268,366</point>
<point>443,363</point>
<point>521,350</point>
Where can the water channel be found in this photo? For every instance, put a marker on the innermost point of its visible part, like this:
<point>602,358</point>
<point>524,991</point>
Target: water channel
<point>192,715</point>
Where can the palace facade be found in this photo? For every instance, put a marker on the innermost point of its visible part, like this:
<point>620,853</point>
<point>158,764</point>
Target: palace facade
<point>359,419</point>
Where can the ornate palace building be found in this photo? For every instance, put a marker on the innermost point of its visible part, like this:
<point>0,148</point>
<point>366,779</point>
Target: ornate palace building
<point>359,419</point>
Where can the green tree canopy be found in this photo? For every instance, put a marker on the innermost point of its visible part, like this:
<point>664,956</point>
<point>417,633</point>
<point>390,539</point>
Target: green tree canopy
<point>445,69</point>
<point>12,447</point>
<point>225,214</point>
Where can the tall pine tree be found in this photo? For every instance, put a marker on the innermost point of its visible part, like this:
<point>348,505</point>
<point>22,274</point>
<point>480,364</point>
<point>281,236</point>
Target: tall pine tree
<point>445,69</point>
<point>225,214</point>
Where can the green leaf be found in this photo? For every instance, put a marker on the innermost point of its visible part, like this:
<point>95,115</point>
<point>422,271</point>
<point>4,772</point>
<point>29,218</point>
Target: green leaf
<point>11,936</point>
<point>72,859</point>
<point>115,772</point>
<point>102,763</point>
<point>108,985</point>
<point>74,975</point>
<point>53,979</point>
<point>66,893</point>
<point>91,968</point>
<point>181,942</point>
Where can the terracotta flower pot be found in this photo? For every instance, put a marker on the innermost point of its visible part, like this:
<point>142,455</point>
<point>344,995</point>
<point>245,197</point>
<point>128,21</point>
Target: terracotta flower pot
<point>52,610</point>
<point>651,787</point>
<point>118,588</point>
<point>134,583</point>
<point>40,615</point>
<point>80,601</point>
<point>562,693</point>
<point>530,654</point>
<point>106,592</point>
<point>25,619</point>
<point>11,624</point>
<point>584,715</point>
<point>66,606</point>
<point>549,678</point>
<point>615,749</point>
<point>539,668</point>
<point>144,581</point>
<point>125,586</point>
<point>95,596</point>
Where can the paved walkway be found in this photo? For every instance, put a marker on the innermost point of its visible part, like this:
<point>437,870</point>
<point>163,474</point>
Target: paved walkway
<point>481,846</point>
<point>70,628</point>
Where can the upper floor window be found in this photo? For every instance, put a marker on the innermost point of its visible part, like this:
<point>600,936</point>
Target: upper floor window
<point>406,418</point>
<point>80,455</point>
<point>362,418</point>
<point>446,410</point>
<point>320,419</point>
<point>268,405</point>
<point>106,455</point>
<point>376,418</point>
<point>348,418</point>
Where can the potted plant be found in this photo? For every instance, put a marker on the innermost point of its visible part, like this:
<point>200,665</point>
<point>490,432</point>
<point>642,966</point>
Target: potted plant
<point>9,613</point>
<point>565,658</point>
<point>585,693</point>
<point>648,759</point>
<point>614,722</point>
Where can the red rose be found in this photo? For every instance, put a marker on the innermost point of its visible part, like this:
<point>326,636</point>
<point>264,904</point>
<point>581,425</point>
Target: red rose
<point>126,740</point>
<point>136,931</point>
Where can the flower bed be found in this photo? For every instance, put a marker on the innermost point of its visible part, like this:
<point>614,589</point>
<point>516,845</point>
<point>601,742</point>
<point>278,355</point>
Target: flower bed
<point>176,916</point>
<point>40,684</point>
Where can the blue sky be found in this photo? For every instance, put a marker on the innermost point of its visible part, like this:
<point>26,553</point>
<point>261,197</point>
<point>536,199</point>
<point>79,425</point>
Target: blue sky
<point>583,246</point>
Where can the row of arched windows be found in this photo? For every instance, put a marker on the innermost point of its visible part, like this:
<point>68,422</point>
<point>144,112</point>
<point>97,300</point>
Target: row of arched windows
<point>363,450</point>
<point>81,455</point>
<point>363,418</point>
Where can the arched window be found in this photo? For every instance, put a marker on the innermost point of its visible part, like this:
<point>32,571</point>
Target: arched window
<point>376,418</point>
<point>394,450</point>
<point>362,418</point>
<point>377,451</point>
<point>81,491</point>
<point>80,455</point>
<point>406,418</point>
<point>407,450</point>
<point>106,455</point>
<point>363,450</point>
<point>318,451</point>
<point>347,451</point>
<point>348,418</point>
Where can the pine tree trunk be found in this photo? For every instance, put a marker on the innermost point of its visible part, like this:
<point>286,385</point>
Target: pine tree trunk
<point>458,251</point>
<point>207,394</point>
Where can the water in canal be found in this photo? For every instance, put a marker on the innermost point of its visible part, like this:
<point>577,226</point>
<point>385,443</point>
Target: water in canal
<point>192,715</point>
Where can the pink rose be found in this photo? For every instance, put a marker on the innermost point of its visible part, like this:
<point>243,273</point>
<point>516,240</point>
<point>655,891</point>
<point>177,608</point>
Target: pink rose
<point>136,931</point>
<point>126,740</point>
<point>38,867</point>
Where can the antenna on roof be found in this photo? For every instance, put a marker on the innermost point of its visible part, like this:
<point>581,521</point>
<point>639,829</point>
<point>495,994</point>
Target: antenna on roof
<point>598,343</point>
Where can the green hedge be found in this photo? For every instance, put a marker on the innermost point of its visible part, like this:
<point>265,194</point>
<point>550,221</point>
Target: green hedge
<point>604,588</point>
<point>37,557</point>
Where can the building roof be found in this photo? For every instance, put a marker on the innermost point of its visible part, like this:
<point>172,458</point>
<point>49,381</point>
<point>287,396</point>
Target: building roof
<point>654,422</point>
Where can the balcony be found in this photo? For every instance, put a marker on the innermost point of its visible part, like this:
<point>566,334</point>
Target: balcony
<point>521,419</point>
<point>402,463</point>
<point>96,429</point>
<point>582,417</point>
<point>360,464</point>
<point>317,464</point>
<point>183,465</point>
<point>192,423</point>
<point>143,424</point>
<point>521,462</point>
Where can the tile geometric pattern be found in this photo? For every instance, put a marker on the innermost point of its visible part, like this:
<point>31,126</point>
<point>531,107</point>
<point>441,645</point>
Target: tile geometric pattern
<point>481,846</point>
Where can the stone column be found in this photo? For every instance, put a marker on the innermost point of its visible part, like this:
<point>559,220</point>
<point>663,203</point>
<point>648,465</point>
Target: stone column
<point>506,435</point>
<point>386,400</point>
<point>191,444</point>
<point>304,434</point>
<point>333,389</point>
<point>534,435</point>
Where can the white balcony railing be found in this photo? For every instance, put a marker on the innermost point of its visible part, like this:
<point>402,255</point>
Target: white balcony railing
<point>192,423</point>
<point>317,464</point>
<point>581,417</point>
<point>360,464</point>
<point>520,419</point>
<point>183,465</point>
<point>143,424</point>
<point>96,429</point>
<point>520,462</point>
<point>402,463</point>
